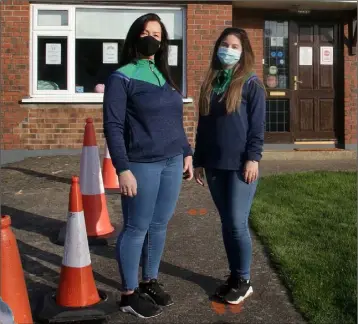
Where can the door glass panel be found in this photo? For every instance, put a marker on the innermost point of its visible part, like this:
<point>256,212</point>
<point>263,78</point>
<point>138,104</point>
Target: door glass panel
<point>276,63</point>
<point>277,115</point>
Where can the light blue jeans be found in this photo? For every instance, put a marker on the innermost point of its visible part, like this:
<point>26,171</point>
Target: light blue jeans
<point>145,218</point>
<point>233,198</point>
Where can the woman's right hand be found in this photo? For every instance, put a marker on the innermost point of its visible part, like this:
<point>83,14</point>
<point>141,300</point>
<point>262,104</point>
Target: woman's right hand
<point>127,184</point>
<point>199,175</point>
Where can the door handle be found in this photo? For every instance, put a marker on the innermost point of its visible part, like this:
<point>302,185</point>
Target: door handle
<point>295,82</point>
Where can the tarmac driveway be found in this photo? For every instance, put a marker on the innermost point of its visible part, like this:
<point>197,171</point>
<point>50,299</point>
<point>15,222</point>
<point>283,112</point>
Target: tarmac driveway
<point>35,195</point>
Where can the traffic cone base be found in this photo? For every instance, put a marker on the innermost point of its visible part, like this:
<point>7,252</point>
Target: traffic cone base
<point>13,289</point>
<point>48,311</point>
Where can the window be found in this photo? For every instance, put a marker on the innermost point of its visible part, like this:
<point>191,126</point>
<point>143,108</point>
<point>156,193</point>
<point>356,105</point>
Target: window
<point>276,74</point>
<point>277,115</point>
<point>276,55</point>
<point>75,48</point>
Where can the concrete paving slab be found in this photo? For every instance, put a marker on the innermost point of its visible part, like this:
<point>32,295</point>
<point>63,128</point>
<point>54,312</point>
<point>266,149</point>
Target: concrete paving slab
<point>35,195</point>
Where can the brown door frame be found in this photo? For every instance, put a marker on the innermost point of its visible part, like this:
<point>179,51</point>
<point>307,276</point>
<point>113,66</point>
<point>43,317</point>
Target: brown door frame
<point>339,17</point>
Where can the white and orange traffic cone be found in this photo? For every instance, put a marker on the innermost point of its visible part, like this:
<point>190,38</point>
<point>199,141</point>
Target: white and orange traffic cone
<point>13,289</point>
<point>99,229</point>
<point>110,177</point>
<point>77,297</point>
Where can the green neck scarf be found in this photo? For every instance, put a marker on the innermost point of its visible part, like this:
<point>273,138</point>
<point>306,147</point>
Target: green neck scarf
<point>222,81</point>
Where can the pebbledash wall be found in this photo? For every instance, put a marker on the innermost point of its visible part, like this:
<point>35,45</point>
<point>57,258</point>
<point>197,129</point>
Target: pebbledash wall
<point>57,128</point>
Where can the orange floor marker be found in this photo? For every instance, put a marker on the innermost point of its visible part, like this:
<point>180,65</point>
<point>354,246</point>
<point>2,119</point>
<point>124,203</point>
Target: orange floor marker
<point>218,308</point>
<point>12,285</point>
<point>77,296</point>
<point>110,178</point>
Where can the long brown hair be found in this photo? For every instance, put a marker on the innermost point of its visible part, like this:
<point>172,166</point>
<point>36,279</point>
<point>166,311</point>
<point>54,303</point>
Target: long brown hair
<point>240,73</point>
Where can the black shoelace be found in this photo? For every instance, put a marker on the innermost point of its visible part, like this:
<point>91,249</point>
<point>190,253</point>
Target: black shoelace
<point>154,287</point>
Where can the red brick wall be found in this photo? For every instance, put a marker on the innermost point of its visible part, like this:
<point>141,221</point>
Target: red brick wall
<point>205,22</point>
<point>14,57</point>
<point>62,125</point>
<point>59,126</point>
<point>253,22</point>
<point>350,95</point>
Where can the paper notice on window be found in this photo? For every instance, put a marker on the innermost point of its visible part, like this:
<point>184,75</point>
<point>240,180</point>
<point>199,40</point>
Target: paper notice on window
<point>305,55</point>
<point>276,41</point>
<point>53,54</point>
<point>110,53</point>
<point>173,55</point>
<point>326,55</point>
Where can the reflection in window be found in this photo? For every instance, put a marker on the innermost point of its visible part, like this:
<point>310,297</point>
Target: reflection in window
<point>100,35</point>
<point>276,68</point>
<point>52,18</point>
<point>52,63</point>
<point>93,62</point>
<point>277,115</point>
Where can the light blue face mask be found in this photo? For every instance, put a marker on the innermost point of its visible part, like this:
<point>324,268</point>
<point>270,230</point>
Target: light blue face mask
<point>228,56</point>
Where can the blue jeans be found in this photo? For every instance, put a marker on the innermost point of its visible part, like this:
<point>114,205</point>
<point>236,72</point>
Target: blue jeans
<point>233,198</point>
<point>145,218</point>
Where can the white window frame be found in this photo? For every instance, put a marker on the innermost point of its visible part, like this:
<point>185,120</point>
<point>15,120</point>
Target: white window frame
<point>69,32</point>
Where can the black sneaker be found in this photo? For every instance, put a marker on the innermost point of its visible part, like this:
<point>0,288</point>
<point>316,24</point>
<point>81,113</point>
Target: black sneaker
<point>238,294</point>
<point>139,305</point>
<point>222,290</point>
<point>154,290</point>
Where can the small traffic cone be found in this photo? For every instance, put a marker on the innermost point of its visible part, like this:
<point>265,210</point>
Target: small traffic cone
<point>110,178</point>
<point>12,285</point>
<point>99,229</point>
<point>77,297</point>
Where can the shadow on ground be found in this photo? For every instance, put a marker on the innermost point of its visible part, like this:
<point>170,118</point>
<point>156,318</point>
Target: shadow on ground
<point>49,227</point>
<point>40,175</point>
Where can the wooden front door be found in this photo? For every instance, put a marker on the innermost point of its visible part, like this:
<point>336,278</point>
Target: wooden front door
<point>313,57</point>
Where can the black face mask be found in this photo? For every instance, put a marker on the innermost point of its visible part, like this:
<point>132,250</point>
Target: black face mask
<point>148,45</point>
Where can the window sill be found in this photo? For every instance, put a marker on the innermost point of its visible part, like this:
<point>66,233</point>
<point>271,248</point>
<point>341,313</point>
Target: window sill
<point>74,99</point>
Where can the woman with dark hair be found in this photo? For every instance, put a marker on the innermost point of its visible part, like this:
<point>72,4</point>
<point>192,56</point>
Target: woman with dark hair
<point>229,143</point>
<point>143,126</point>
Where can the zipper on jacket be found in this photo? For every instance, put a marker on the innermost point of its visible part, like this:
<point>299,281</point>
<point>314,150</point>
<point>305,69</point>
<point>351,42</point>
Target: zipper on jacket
<point>151,68</point>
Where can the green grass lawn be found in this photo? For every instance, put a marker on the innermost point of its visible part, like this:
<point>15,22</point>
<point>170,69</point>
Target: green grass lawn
<point>308,222</point>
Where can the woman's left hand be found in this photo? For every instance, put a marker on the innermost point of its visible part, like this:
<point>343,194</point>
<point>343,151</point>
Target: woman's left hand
<point>251,171</point>
<point>188,168</point>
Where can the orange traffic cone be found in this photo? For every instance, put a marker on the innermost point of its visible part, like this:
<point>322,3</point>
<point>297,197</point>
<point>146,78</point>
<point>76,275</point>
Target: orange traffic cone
<point>110,178</point>
<point>12,285</point>
<point>77,297</point>
<point>76,272</point>
<point>99,229</point>
<point>98,224</point>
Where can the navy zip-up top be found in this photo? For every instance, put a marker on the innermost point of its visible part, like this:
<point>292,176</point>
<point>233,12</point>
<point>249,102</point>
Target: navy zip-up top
<point>226,141</point>
<point>142,116</point>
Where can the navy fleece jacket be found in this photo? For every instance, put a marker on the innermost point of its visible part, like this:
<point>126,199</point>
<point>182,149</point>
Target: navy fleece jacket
<point>226,141</point>
<point>142,116</point>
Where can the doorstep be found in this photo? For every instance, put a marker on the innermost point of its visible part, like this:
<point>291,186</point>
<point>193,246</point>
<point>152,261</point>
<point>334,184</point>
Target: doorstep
<point>309,154</point>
